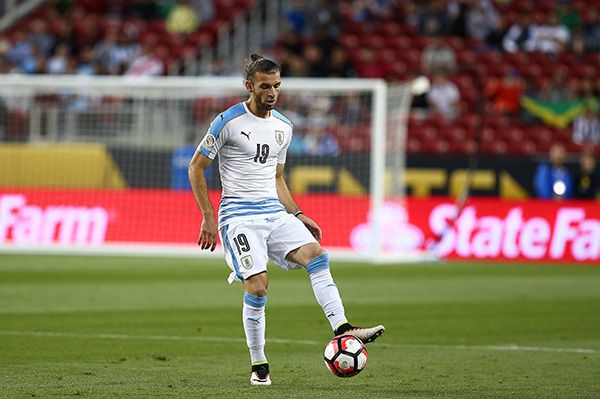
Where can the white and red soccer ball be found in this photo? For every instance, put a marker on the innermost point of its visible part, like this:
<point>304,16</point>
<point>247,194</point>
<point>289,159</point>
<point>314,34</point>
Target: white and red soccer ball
<point>345,356</point>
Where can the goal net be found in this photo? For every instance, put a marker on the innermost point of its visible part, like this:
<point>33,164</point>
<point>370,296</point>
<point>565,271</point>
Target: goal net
<point>100,164</point>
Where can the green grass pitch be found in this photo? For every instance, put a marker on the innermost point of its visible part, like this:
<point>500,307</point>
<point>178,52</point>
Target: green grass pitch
<point>125,327</point>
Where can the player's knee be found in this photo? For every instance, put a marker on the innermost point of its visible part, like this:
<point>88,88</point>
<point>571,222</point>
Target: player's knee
<point>258,292</point>
<point>257,285</point>
<point>314,251</point>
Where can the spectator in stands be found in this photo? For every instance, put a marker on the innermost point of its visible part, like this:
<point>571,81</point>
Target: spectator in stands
<point>294,66</point>
<point>339,64</point>
<point>317,67</point>
<point>145,64</point>
<point>324,40</point>
<point>40,37</point>
<point>552,38</point>
<point>21,48</point>
<point>107,52</point>
<point>587,181</point>
<point>367,65</point>
<point>438,57</point>
<point>518,34</point>
<point>298,145</point>
<point>85,65</point>
<point>326,16</point>
<point>205,9</point>
<point>494,39</point>
<point>63,29</point>
<point>443,96</point>
<point>34,63</point>
<point>411,14</point>
<point>433,20</point>
<point>291,42</point>
<point>182,19</point>
<point>591,30</point>
<point>586,127</point>
<point>320,141</point>
<point>128,49</point>
<point>144,9</point>
<point>552,179</point>
<point>567,15</point>
<point>505,93</point>
<point>481,19</point>
<point>219,68</point>
<point>557,90</point>
<point>180,161</point>
<point>370,11</point>
<point>57,64</point>
<point>588,90</point>
<point>297,17</point>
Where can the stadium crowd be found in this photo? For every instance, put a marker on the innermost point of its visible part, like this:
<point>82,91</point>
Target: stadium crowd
<point>529,63</point>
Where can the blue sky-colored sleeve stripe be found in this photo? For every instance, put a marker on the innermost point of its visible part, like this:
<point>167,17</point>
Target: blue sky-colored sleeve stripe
<point>280,116</point>
<point>205,152</point>
<point>221,120</point>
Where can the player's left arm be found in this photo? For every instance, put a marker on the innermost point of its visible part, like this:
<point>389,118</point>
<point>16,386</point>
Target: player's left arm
<point>286,199</point>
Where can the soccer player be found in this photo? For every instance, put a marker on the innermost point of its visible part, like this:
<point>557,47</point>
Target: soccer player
<point>258,219</point>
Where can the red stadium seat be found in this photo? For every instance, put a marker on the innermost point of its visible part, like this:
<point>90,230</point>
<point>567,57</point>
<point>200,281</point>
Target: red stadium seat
<point>468,121</point>
<point>349,41</point>
<point>372,41</point>
<point>496,147</point>
<point>454,134</point>
<point>465,147</point>
<point>390,29</point>
<point>435,146</point>
<point>526,147</point>
<point>413,145</point>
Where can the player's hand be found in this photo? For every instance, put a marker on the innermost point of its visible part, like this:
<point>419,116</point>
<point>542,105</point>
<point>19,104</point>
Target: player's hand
<point>314,228</point>
<point>208,234</point>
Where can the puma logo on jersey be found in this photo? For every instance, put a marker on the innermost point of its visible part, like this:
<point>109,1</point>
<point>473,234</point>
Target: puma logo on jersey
<point>246,134</point>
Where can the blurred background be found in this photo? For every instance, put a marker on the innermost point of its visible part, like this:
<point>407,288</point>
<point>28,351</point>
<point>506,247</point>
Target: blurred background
<point>516,83</point>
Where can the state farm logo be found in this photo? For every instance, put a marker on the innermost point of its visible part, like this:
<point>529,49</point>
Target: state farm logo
<point>399,237</point>
<point>570,234</point>
<point>26,224</point>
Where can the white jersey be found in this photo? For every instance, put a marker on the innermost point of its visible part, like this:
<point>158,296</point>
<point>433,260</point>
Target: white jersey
<point>249,150</point>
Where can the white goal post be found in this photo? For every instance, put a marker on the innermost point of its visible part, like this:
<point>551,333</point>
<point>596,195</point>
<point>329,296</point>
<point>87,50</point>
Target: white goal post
<point>88,162</point>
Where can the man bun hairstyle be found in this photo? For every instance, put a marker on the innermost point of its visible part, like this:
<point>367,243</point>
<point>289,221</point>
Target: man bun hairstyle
<point>259,64</point>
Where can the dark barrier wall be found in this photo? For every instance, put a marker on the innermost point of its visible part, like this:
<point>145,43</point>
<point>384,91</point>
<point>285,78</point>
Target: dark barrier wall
<point>349,174</point>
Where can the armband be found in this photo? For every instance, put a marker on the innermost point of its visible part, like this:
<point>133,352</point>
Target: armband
<point>298,213</point>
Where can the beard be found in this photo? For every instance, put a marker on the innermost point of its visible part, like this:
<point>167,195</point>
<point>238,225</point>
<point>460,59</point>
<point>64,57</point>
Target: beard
<point>263,105</point>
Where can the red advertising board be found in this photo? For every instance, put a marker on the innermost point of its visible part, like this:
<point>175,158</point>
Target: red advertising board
<point>487,229</point>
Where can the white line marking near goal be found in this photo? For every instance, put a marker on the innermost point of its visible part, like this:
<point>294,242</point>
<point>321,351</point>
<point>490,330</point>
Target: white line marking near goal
<point>505,348</point>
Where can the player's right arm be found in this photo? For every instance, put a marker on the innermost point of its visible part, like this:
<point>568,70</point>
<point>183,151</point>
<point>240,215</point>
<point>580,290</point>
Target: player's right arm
<point>208,230</point>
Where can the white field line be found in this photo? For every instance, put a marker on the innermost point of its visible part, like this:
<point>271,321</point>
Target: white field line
<point>503,348</point>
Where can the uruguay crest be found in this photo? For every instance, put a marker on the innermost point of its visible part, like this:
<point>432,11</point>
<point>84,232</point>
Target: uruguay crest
<point>279,136</point>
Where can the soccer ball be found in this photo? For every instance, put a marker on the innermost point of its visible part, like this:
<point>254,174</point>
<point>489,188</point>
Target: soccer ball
<point>345,356</point>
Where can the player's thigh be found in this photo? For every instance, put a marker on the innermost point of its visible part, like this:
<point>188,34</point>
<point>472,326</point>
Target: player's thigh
<point>289,235</point>
<point>245,247</point>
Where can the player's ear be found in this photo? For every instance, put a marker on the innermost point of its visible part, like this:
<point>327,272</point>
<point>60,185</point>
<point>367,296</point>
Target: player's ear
<point>249,86</point>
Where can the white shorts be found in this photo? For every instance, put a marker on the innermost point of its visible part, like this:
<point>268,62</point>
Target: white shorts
<point>249,244</point>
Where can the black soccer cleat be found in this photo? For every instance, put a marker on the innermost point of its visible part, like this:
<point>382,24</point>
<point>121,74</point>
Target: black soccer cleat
<point>260,374</point>
<point>366,335</point>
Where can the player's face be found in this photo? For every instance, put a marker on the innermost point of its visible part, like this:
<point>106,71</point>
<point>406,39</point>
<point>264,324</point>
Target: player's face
<point>265,90</point>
